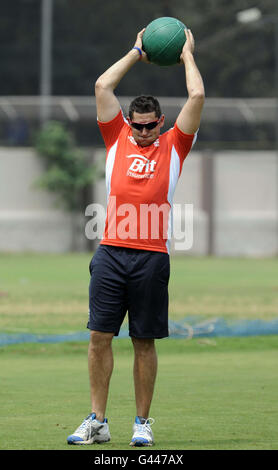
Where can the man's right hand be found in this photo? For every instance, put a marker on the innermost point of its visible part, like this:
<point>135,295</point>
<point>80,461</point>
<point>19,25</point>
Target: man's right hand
<point>139,43</point>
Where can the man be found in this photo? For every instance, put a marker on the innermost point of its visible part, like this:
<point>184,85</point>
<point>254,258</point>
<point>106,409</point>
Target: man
<point>130,269</point>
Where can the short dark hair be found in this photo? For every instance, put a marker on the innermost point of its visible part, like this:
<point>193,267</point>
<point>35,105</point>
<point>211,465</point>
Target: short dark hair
<point>144,104</point>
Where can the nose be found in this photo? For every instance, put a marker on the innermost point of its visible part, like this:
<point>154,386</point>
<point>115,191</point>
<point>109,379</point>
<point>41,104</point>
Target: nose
<point>144,131</point>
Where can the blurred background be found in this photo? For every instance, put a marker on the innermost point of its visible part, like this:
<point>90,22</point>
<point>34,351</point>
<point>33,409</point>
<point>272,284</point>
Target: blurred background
<point>51,53</point>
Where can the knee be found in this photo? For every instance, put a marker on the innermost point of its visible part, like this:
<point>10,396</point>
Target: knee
<point>143,347</point>
<point>100,341</point>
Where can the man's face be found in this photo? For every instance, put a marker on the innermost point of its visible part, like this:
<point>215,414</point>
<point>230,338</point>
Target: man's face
<point>144,136</point>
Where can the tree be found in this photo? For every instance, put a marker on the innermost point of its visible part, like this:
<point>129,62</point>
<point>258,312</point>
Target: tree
<point>68,172</point>
<point>88,36</point>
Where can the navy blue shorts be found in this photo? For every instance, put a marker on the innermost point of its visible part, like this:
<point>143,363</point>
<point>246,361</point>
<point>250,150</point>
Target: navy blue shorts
<point>128,280</point>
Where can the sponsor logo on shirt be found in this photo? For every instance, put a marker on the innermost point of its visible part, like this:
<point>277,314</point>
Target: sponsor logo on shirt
<point>141,167</point>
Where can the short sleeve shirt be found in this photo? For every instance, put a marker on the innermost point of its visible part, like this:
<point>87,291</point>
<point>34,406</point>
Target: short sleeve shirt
<point>140,184</point>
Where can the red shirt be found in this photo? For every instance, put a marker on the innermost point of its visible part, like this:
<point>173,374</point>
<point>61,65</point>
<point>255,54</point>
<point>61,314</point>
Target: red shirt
<point>140,184</point>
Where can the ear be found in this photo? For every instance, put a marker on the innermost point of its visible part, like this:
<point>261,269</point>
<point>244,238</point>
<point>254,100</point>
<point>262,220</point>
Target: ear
<point>162,120</point>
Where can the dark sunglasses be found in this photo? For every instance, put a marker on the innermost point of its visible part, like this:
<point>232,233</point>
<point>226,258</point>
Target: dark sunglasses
<point>148,125</point>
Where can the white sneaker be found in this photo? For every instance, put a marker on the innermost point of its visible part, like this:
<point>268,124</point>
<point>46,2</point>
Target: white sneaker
<point>142,433</point>
<point>90,431</point>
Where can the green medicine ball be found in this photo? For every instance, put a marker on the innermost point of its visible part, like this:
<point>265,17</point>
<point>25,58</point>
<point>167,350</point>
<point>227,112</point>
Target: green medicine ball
<point>163,40</point>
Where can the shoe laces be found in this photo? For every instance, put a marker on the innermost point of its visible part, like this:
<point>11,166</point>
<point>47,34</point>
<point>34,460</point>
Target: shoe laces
<point>84,424</point>
<point>149,421</point>
<point>146,426</point>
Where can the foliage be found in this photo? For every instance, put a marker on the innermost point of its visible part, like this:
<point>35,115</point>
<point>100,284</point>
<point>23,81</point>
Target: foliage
<point>67,169</point>
<point>235,60</point>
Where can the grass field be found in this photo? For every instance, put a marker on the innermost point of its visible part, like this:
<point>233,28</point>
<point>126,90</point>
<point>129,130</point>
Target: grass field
<point>219,394</point>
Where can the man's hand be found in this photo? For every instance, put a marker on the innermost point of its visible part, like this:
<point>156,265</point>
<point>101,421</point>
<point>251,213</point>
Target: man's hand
<point>138,43</point>
<point>189,45</point>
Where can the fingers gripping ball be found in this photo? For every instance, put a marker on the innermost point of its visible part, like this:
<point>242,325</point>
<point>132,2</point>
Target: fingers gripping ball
<point>163,40</point>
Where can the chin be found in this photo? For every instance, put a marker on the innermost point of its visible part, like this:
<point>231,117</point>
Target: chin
<point>145,142</point>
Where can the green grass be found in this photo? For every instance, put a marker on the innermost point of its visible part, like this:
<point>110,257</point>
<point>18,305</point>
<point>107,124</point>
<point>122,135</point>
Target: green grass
<point>49,293</point>
<point>218,393</point>
<point>221,396</point>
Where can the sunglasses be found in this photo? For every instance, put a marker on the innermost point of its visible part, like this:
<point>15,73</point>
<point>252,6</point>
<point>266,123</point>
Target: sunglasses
<point>149,125</point>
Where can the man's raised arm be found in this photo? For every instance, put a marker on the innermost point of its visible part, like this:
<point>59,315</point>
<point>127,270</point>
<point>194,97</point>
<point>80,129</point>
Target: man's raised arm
<point>107,103</point>
<point>188,120</point>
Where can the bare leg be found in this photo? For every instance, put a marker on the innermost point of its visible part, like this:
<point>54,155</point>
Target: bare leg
<point>145,369</point>
<point>100,364</point>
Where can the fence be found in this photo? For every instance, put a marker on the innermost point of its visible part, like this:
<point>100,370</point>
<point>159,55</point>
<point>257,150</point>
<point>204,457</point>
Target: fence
<point>226,122</point>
